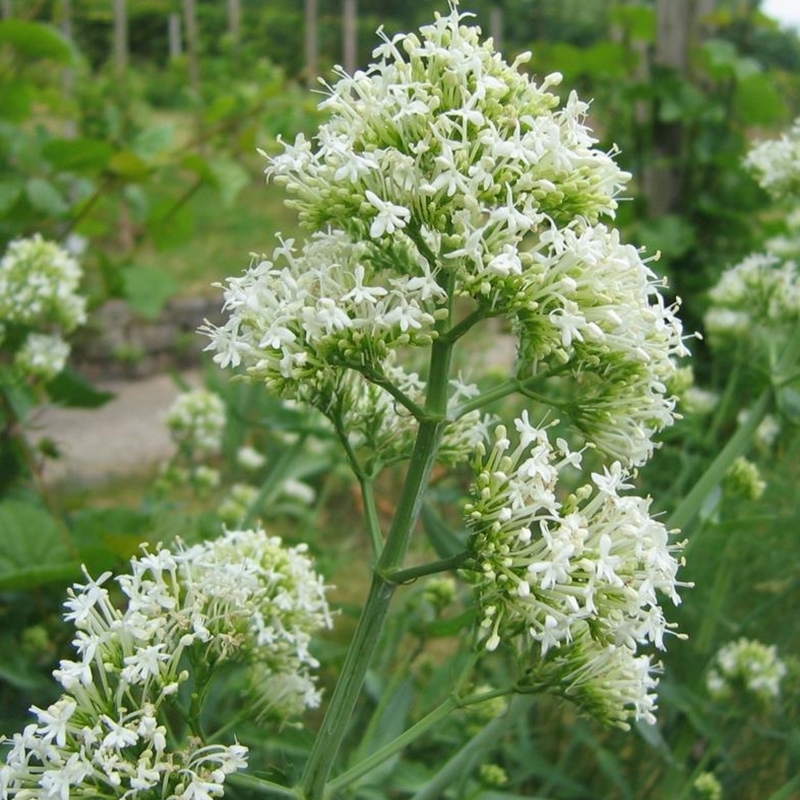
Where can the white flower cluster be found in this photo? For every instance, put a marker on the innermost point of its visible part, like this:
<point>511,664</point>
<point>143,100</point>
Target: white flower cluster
<point>196,420</point>
<point>39,302</point>
<point>244,596</point>
<point>763,291</point>
<point>444,172</point>
<point>576,581</point>
<point>749,665</point>
<point>776,163</point>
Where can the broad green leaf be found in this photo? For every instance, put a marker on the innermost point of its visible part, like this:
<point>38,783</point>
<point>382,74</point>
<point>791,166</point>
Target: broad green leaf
<point>229,177</point>
<point>758,100</point>
<point>170,224</point>
<point>638,21</point>
<point>154,140</point>
<point>35,549</point>
<point>444,541</point>
<point>78,155</point>
<point>147,289</point>
<point>105,537</point>
<point>72,390</point>
<point>128,165</point>
<point>17,99</point>
<point>34,40</point>
<point>9,194</point>
<point>43,196</point>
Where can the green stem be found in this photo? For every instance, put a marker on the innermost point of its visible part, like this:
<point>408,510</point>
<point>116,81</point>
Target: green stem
<point>463,327</point>
<point>365,639</point>
<point>268,788</point>
<point>502,390</point>
<point>401,576</point>
<point>736,446</point>
<point>273,480</point>
<point>395,746</point>
<point>373,376</point>
<point>458,765</point>
<point>371,514</point>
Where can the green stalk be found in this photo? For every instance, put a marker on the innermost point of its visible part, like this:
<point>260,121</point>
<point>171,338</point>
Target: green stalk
<point>264,787</point>
<point>401,576</point>
<point>737,445</point>
<point>371,514</point>
<point>365,639</point>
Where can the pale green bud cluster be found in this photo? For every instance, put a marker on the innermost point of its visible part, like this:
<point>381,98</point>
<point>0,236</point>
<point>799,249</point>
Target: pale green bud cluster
<point>743,479</point>
<point>243,597</point>
<point>707,786</point>
<point>746,665</point>
<point>39,303</point>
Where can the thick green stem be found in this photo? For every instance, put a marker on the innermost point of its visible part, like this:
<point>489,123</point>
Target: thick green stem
<point>371,515</point>
<point>365,639</point>
<point>401,576</point>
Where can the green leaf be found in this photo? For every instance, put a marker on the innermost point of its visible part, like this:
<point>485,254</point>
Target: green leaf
<point>170,225</point>
<point>9,194</point>
<point>758,101</point>
<point>147,289</point>
<point>229,178</point>
<point>105,537</point>
<point>444,541</point>
<point>17,100</point>
<point>129,166</point>
<point>638,21</point>
<point>78,155</point>
<point>72,390</point>
<point>35,550</point>
<point>45,197</point>
<point>34,40</point>
<point>154,140</point>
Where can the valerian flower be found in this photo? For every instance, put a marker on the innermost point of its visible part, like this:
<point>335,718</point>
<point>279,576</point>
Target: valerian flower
<point>244,597</point>
<point>196,419</point>
<point>775,163</point>
<point>746,665</point>
<point>572,585</point>
<point>443,172</point>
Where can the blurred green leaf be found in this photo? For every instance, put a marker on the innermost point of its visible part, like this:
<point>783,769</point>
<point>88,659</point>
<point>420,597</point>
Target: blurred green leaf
<point>78,155</point>
<point>35,550</point>
<point>9,194</point>
<point>105,537</point>
<point>444,541</point>
<point>229,177</point>
<point>154,140</point>
<point>147,289</point>
<point>639,22</point>
<point>170,224</point>
<point>758,101</point>
<point>43,196</point>
<point>72,390</point>
<point>35,40</point>
<point>17,99</point>
<point>129,166</point>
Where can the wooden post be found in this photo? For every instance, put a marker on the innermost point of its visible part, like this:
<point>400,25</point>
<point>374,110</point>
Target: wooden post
<point>68,76</point>
<point>349,36</point>
<point>120,36</point>
<point>174,35</point>
<point>192,44</point>
<point>311,43</point>
<point>235,23</point>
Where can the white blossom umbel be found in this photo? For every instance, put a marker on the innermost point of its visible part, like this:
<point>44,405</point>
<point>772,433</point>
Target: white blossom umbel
<point>39,303</point>
<point>196,420</point>
<point>776,163</point>
<point>142,667</point>
<point>746,665</point>
<point>573,585</point>
<point>443,173</point>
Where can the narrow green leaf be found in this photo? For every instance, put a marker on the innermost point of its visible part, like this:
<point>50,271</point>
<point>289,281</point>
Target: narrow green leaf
<point>444,541</point>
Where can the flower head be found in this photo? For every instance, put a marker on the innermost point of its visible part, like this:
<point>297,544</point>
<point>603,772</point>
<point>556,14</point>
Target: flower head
<point>574,584</point>
<point>746,665</point>
<point>197,419</point>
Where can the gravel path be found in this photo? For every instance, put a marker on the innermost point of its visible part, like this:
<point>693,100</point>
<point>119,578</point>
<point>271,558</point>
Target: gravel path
<point>126,435</point>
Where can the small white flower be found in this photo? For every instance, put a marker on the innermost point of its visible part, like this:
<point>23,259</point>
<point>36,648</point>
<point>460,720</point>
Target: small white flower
<point>390,217</point>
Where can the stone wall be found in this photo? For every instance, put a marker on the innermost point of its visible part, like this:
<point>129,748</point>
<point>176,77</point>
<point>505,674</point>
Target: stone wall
<point>118,342</point>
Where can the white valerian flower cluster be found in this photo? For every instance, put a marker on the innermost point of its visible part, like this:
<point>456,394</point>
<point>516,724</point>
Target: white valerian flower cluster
<point>577,581</point>
<point>39,303</point>
<point>748,665</point>
<point>443,172</point>
<point>760,293</point>
<point>196,420</point>
<point>776,163</point>
<point>112,733</point>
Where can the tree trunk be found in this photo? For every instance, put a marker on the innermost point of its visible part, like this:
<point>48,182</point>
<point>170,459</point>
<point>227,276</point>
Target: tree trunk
<point>311,42</point>
<point>120,36</point>
<point>349,36</point>
<point>6,9</point>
